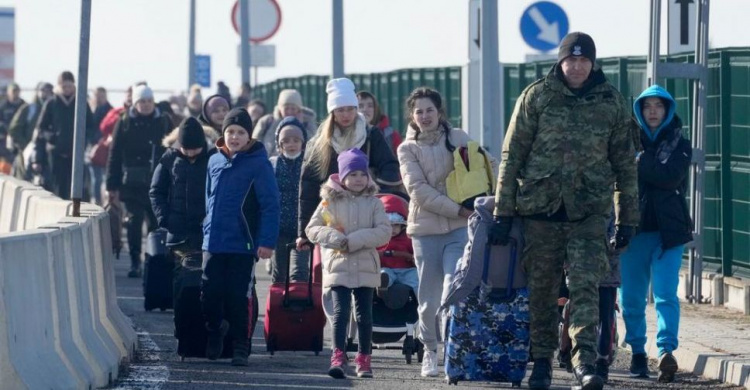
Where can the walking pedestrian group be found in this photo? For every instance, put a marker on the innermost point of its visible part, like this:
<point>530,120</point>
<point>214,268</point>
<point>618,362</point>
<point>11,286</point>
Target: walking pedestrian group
<point>587,192</point>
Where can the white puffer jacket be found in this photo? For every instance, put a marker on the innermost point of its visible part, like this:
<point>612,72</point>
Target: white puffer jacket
<point>362,221</point>
<point>425,164</point>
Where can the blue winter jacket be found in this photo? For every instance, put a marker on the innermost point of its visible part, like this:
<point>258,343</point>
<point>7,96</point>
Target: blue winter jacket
<point>242,202</point>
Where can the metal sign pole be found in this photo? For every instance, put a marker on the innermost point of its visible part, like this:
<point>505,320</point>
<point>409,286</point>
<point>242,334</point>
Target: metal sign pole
<point>698,142</point>
<point>81,107</point>
<point>191,46</point>
<point>489,74</point>
<point>653,44</point>
<point>244,40</point>
<point>338,38</point>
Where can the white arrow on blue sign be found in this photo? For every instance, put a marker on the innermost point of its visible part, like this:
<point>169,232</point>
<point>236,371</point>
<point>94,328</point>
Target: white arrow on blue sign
<point>543,25</point>
<point>203,70</point>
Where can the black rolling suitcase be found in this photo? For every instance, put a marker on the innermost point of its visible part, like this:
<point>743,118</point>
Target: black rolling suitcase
<point>157,272</point>
<point>190,328</point>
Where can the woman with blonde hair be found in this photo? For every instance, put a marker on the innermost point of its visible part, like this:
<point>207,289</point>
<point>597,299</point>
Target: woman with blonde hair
<point>343,129</point>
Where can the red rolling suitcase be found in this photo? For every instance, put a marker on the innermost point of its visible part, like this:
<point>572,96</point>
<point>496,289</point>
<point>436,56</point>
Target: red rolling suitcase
<point>294,315</point>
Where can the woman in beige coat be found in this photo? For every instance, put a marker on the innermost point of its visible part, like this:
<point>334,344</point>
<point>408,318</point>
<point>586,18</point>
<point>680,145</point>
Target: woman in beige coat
<point>436,224</point>
<point>349,224</point>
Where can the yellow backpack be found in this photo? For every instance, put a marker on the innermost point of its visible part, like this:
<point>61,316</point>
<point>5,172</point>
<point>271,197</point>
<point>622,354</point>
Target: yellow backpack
<point>472,175</point>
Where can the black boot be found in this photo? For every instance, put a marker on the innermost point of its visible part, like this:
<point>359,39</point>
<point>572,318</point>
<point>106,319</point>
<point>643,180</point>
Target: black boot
<point>541,375</point>
<point>587,378</point>
<point>667,368</point>
<point>639,366</point>
<point>602,369</point>
<point>241,350</point>
<point>215,341</point>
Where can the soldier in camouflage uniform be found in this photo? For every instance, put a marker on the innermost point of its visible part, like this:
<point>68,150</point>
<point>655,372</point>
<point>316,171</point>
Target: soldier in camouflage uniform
<point>568,143</point>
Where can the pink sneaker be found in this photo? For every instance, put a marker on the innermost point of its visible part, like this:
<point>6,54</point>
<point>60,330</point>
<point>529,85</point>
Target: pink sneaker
<point>338,364</point>
<point>363,365</point>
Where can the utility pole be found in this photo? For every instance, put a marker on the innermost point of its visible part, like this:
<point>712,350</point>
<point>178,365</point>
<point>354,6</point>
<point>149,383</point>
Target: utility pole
<point>244,41</point>
<point>489,75</point>
<point>81,107</point>
<point>338,39</point>
<point>191,46</point>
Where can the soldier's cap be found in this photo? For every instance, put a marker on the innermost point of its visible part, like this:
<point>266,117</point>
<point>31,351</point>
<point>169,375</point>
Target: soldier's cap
<point>577,44</point>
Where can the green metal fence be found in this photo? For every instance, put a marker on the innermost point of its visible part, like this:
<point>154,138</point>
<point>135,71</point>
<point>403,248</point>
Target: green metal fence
<point>726,238</point>
<point>391,89</point>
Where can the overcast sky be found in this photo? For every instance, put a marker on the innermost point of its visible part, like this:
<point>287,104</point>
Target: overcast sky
<point>148,39</point>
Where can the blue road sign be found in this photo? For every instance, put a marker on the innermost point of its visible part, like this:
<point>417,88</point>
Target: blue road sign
<point>543,25</point>
<point>203,70</point>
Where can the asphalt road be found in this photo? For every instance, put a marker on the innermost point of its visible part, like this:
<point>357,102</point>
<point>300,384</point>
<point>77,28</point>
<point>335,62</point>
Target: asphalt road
<point>157,365</point>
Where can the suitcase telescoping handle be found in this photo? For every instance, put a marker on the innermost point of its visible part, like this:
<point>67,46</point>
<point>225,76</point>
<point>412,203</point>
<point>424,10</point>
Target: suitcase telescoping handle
<point>290,247</point>
<point>511,272</point>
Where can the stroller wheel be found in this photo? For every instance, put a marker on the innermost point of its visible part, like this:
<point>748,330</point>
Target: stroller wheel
<point>420,350</point>
<point>408,348</point>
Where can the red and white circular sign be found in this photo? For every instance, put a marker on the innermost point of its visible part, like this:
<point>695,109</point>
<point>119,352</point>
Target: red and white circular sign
<point>265,19</point>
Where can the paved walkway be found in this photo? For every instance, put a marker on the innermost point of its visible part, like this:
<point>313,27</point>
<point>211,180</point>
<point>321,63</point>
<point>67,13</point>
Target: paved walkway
<point>714,342</point>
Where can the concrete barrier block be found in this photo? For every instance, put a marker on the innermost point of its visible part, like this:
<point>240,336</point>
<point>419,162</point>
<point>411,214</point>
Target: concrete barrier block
<point>737,294</point>
<point>102,346</point>
<point>119,325</point>
<point>13,191</point>
<point>35,350</point>
<point>43,210</point>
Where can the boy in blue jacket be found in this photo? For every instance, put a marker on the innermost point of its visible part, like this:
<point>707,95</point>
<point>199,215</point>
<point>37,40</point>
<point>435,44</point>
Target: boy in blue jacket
<point>241,225</point>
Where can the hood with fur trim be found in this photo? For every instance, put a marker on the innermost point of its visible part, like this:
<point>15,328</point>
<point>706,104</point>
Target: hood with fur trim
<point>333,189</point>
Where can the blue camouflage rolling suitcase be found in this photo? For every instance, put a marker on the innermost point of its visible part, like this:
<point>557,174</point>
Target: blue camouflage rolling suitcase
<point>488,331</point>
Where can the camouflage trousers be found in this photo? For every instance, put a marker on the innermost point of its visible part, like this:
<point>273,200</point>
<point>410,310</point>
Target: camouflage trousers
<point>552,247</point>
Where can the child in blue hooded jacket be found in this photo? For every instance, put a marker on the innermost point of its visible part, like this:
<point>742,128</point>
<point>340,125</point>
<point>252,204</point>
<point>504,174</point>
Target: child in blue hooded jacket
<point>655,254</point>
<point>242,224</point>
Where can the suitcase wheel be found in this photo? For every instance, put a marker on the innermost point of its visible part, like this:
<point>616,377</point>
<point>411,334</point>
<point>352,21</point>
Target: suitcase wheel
<point>420,350</point>
<point>163,308</point>
<point>182,358</point>
<point>516,384</point>
<point>451,381</point>
<point>317,353</point>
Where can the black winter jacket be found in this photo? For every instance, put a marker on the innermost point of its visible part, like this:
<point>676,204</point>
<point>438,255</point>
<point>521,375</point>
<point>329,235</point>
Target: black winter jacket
<point>56,129</point>
<point>178,198</point>
<point>134,152</point>
<point>383,165</point>
<point>662,183</point>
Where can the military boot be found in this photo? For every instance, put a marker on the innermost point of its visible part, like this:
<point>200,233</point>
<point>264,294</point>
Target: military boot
<point>541,374</point>
<point>602,369</point>
<point>587,378</point>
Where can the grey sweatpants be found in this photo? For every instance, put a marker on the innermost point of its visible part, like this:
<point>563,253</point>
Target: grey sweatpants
<point>436,257</point>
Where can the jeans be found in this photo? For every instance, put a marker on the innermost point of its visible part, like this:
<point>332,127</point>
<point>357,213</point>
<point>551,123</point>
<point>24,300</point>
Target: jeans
<point>407,276</point>
<point>97,175</point>
<point>224,291</point>
<point>297,262</point>
<point>645,261</point>
<point>342,306</point>
<point>436,258</point>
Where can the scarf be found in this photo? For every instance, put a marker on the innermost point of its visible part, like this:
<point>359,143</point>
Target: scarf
<point>339,139</point>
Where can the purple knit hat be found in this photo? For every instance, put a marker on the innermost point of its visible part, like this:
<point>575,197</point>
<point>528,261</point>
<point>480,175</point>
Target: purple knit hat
<point>352,160</point>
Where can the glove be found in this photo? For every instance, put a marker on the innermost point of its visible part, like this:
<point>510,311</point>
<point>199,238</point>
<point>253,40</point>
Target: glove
<point>622,236</point>
<point>499,232</point>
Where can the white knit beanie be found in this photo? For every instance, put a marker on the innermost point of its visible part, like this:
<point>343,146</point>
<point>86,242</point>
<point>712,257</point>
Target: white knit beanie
<point>341,94</point>
<point>141,92</point>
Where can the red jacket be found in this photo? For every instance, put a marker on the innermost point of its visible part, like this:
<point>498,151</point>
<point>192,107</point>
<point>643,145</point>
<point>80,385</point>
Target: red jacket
<point>107,126</point>
<point>400,243</point>
<point>392,137</point>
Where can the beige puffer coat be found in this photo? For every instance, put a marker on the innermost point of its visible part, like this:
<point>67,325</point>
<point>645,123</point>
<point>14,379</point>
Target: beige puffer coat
<point>425,164</point>
<point>359,219</point>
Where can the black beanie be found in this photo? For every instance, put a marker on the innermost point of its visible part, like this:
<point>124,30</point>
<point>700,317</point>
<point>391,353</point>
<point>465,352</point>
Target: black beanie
<point>577,44</point>
<point>190,134</point>
<point>238,116</point>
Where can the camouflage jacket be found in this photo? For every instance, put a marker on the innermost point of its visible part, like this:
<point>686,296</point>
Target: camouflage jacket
<point>564,148</point>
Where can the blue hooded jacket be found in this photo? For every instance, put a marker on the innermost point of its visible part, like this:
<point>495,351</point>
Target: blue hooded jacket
<point>242,202</point>
<point>671,107</point>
